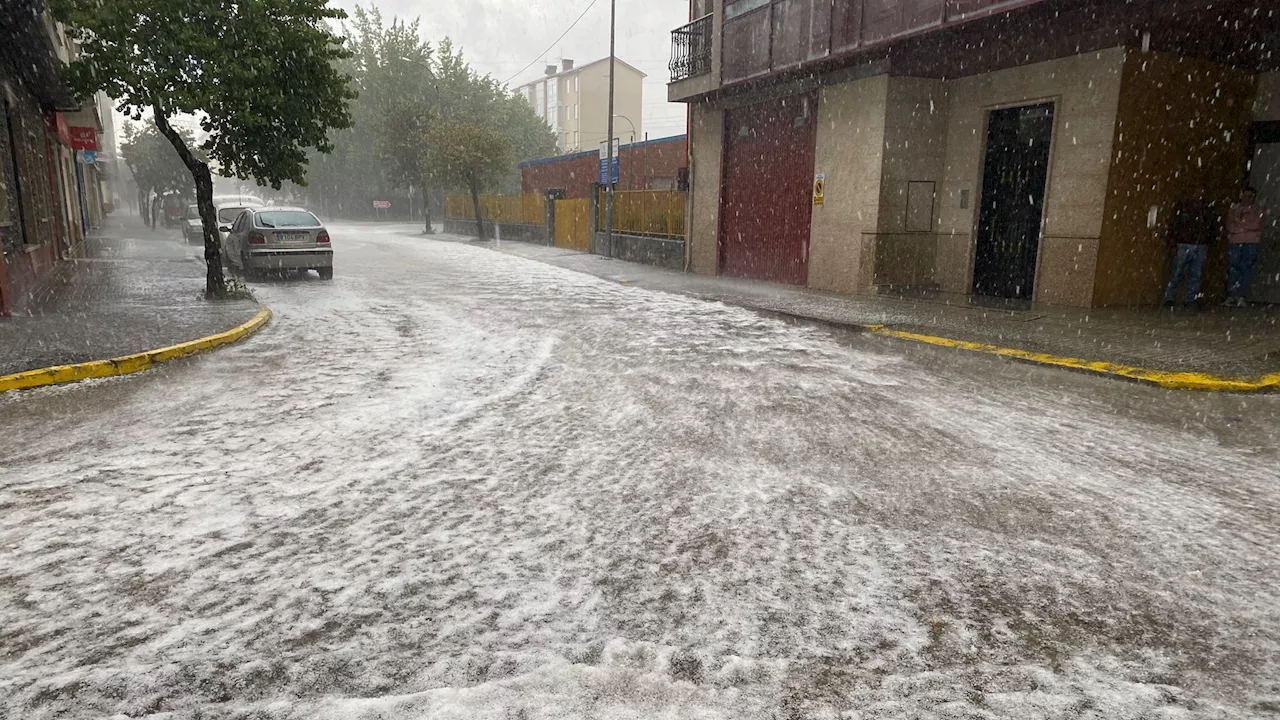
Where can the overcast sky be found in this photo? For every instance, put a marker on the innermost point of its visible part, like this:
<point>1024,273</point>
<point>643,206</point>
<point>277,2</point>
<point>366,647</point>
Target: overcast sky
<point>502,36</point>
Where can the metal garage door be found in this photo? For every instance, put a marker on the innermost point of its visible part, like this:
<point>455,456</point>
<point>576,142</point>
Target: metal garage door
<point>766,198</point>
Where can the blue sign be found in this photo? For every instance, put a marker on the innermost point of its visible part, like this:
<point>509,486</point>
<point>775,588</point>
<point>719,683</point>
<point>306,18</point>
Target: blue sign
<point>91,157</point>
<point>604,172</point>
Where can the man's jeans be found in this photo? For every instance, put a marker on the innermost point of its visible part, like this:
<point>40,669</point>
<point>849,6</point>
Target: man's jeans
<point>1190,260</point>
<point>1240,259</point>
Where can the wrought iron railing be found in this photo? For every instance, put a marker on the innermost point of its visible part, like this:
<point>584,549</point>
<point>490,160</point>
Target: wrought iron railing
<point>691,49</point>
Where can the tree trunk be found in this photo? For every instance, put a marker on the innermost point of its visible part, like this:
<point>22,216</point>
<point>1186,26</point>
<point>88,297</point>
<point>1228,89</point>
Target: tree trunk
<point>426,210</point>
<point>214,283</point>
<point>475,203</point>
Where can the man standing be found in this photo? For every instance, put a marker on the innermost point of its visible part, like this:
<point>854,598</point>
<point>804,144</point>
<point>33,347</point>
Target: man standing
<point>1191,231</point>
<point>1244,232</point>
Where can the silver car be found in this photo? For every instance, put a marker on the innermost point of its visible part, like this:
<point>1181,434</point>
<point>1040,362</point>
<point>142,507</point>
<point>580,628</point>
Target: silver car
<point>277,238</point>
<point>193,229</point>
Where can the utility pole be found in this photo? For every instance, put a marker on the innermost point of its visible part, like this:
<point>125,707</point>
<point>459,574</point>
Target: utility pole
<point>608,193</point>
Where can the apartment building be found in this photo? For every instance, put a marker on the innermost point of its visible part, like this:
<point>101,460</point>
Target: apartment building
<point>1024,150</point>
<point>575,103</point>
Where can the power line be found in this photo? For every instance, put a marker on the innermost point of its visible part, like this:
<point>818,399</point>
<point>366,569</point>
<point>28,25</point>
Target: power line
<point>553,44</point>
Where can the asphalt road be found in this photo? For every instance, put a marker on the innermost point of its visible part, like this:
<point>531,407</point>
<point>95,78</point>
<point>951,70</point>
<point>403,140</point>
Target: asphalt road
<point>454,483</point>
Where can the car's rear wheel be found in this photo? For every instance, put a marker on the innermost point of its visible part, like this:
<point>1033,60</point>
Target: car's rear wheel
<point>326,273</point>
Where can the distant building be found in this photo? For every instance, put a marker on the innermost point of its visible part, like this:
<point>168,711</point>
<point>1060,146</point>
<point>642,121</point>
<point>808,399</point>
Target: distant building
<point>575,103</point>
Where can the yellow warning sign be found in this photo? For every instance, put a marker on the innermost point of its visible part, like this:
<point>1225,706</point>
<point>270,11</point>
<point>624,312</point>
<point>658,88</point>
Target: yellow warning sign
<point>819,188</point>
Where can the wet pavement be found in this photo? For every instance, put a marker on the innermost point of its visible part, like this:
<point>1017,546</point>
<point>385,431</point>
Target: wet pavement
<point>1234,342</point>
<point>136,290</point>
<point>454,483</point>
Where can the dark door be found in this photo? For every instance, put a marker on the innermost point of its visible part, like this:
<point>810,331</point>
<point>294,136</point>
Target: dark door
<point>766,200</point>
<point>1013,185</point>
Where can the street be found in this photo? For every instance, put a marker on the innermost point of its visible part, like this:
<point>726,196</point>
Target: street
<point>455,483</point>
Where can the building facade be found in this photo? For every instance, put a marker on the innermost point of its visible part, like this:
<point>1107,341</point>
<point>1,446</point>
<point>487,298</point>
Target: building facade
<point>51,190</point>
<point>1029,150</point>
<point>575,103</point>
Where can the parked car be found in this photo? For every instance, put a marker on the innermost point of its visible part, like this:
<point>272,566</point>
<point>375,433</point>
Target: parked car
<point>278,238</point>
<point>226,213</point>
<point>192,231</point>
<point>238,200</point>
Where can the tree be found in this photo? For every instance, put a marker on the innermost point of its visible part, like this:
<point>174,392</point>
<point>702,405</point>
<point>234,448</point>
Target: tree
<point>260,75</point>
<point>449,126</point>
<point>466,156</point>
<point>155,167</point>
<point>400,90</point>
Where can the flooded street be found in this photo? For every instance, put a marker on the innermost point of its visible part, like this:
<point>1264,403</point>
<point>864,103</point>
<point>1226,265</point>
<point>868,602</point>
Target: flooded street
<point>454,483</point>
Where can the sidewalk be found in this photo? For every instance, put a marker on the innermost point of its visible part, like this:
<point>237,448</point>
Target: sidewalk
<point>1231,343</point>
<point>137,290</point>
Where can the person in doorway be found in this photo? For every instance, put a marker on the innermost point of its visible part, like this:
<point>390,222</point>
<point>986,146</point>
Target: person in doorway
<point>1192,230</point>
<point>1244,233</point>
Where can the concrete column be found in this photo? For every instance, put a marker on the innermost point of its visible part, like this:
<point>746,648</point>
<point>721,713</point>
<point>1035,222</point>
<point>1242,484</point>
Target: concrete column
<point>706,148</point>
<point>850,152</point>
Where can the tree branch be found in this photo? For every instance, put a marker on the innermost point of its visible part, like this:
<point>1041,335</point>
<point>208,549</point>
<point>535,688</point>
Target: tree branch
<point>162,124</point>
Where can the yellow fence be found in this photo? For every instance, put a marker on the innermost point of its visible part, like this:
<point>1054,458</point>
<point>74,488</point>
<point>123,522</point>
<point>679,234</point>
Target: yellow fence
<point>646,212</point>
<point>526,209</point>
<point>572,224</point>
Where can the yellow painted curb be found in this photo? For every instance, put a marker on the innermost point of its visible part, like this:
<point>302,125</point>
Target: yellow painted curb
<point>61,374</point>
<point>1171,380</point>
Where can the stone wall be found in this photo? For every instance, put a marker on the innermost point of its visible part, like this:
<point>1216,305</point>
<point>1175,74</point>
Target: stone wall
<point>649,250</point>
<point>518,232</point>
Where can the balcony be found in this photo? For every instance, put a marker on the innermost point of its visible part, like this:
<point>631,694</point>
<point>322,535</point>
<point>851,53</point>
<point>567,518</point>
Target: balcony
<point>691,49</point>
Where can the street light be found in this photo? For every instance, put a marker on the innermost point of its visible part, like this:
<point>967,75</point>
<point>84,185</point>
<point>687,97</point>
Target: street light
<point>633,126</point>
<point>608,188</point>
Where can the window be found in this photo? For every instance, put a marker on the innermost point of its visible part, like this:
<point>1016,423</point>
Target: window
<point>286,218</point>
<point>575,111</point>
<point>228,215</point>
<point>193,212</point>
<point>742,7</point>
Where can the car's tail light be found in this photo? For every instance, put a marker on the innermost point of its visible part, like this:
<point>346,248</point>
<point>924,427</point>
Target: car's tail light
<point>257,239</point>
<point>323,237</point>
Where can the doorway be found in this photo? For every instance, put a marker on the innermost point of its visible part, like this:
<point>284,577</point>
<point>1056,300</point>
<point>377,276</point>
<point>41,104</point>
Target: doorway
<point>1264,174</point>
<point>766,197</point>
<point>1014,176</point>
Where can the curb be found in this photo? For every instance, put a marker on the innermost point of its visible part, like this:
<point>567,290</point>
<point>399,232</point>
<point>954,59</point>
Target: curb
<point>128,364</point>
<point>1166,379</point>
<point>1171,380</point>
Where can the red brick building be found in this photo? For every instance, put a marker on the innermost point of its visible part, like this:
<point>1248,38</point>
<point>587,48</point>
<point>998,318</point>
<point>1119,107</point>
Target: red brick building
<point>648,165</point>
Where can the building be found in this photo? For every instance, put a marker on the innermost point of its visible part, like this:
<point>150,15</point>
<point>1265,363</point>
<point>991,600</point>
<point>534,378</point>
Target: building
<point>647,165</point>
<point>1029,150</point>
<point>50,187</point>
<point>575,103</point>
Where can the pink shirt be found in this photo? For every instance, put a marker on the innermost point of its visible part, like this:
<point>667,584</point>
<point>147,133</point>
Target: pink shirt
<point>1244,223</point>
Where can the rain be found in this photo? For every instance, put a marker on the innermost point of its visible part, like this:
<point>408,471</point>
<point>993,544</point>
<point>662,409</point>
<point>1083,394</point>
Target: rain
<point>776,359</point>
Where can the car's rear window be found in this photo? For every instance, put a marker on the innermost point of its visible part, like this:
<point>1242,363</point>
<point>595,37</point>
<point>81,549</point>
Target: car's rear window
<point>193,212</point>
<point>229,215</point>
<point>286,218</point>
